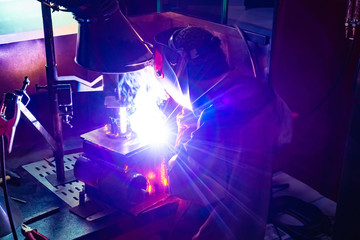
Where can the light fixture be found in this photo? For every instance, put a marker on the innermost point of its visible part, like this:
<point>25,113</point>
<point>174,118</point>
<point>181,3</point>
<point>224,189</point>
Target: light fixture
<point>106,41</point>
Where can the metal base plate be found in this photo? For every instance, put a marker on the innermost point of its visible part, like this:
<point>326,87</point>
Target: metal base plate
<point>68,192</point>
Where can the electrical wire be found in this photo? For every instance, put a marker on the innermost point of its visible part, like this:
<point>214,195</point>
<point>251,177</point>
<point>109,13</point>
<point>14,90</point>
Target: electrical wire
<point>6,194</point>
<point>277,232</point>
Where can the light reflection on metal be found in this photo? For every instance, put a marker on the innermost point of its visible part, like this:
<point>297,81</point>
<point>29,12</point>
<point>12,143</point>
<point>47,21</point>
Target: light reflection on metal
<point>352,19</point>
<point>163,174</point>
<point>123,120</point>
<point>151,175</point>
<point>149,188</point>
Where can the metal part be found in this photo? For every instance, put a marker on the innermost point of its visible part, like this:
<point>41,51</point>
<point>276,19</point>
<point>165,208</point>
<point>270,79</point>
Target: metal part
<point>5,228</point>
<point>120,147</point>
<point>41,215</point>
<point>109,183</point>
<point>65,102</point>
<point>224,12</point>
<point>83,85</point>
<point>68,192</point>
<point>352,19</point>
<point>9,216</point>
<point>106,40</point>
<point>39,87</point>
<point>51,75</point>
<point>49,139</point>
<point>109,166</point>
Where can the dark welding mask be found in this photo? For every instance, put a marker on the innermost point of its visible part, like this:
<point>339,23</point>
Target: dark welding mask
<point>170,67</point>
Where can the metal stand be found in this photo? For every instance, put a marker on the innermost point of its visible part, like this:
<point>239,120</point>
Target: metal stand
<point>6,197</point>
<point>51,75</point>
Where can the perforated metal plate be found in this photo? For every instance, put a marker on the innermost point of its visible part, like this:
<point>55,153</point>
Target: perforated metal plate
<point>68,192</point>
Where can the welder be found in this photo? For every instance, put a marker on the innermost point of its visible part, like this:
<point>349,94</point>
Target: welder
<point>229,129</point>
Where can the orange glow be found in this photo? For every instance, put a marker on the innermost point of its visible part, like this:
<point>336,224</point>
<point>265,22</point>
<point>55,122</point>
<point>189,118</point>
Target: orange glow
<point>108,132</point>
<point>106,128</point>
<point>151,175</point>
<point>165,182</point>
<point>126,168</point>
<point>149,188</point>
<point>163,174</point>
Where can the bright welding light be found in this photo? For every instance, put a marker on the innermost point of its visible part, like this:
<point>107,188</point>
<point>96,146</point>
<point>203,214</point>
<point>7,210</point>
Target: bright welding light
<point>123,120</point>
<point>150,125</point>
<point>148,121</point>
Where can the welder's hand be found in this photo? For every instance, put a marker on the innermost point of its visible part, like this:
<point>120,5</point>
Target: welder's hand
<point>186,123</point>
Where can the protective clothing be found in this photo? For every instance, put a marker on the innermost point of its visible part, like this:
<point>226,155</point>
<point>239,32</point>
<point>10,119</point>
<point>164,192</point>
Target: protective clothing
<point>226,165</point>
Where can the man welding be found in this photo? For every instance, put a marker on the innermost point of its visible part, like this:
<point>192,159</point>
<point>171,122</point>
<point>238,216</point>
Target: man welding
<point>224,166</point>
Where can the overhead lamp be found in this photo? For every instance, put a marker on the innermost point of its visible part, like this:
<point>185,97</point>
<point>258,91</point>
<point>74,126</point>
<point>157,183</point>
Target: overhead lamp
<point>106,41</point>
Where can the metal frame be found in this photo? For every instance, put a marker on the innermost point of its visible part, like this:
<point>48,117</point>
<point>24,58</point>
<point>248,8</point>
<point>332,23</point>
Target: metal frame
<point>51,75</point>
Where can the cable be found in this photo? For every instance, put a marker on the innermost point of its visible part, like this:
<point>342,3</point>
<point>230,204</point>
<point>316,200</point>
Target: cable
<point>277,232</point>
<point>6,194</point>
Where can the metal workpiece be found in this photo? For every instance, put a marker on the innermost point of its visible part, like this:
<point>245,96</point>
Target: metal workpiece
<point>111,184</point>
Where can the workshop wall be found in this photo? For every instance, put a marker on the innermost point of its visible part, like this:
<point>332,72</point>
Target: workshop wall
<point>27,58</point>
<point>311,70</point>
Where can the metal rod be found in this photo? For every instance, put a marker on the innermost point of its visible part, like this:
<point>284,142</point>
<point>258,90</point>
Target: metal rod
<point>224,12</point>
<point>51,75</point>
<point>4,185</point>
<point>158,6</point>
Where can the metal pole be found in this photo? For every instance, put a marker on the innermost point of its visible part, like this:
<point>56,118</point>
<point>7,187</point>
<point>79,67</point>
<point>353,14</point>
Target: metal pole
<point>158,6</point>
<point>4,185</point>
<point>51,75</point>
<point>348,208</point>
<point>224,12</point>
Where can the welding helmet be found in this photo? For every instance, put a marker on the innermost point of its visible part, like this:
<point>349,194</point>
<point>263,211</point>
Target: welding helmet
<point>170,67</point>
<point>185,56</point>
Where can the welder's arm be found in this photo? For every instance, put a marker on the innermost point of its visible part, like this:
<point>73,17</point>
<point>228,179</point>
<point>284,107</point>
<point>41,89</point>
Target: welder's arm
<point>196,173</point>
<point>186,124</point>
<point>243,213</point>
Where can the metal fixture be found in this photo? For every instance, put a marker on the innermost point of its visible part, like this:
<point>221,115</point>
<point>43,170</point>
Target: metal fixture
<point>106,40</point>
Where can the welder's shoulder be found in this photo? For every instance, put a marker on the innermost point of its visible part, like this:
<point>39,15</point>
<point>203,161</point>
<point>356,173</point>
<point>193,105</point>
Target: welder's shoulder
<point>208,115</point>
<point>248,85</point>
<point>247,92</point>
